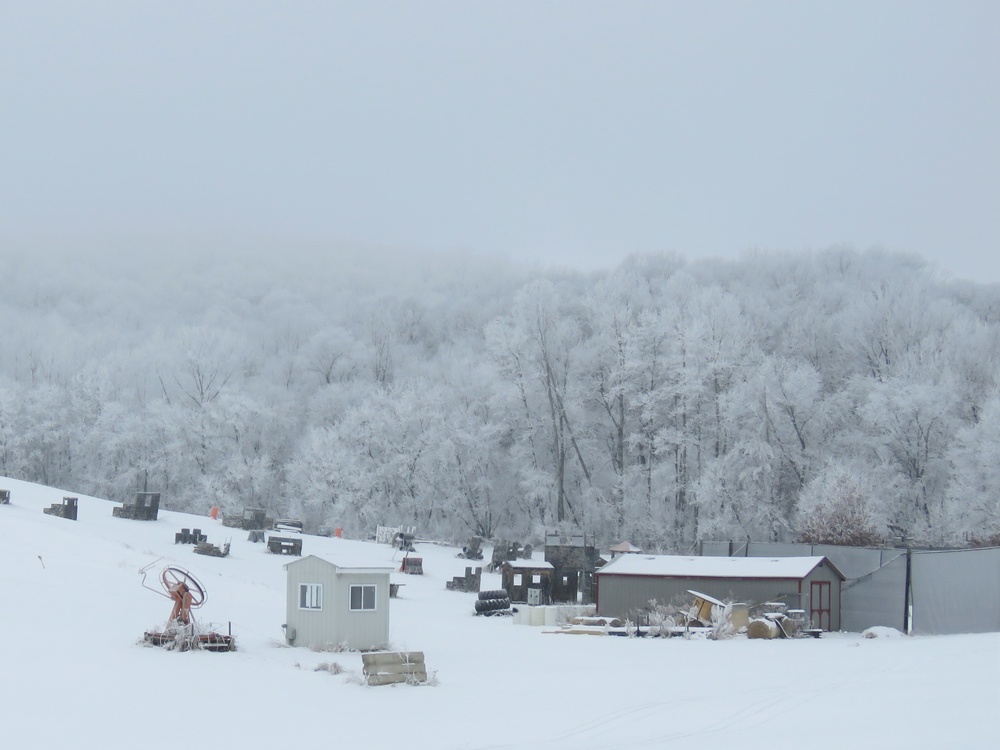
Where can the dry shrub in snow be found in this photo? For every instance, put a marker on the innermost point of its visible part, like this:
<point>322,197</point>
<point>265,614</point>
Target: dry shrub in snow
<point>836,508</point>
<point>331,667</point>
<point>662,617</point>
<point>334,648</point>
<point>722,626</point>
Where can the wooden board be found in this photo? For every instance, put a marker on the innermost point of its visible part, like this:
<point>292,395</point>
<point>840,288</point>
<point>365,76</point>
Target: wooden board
<point>395,679</point>
<point>381,658</point>
<point>393,667</point>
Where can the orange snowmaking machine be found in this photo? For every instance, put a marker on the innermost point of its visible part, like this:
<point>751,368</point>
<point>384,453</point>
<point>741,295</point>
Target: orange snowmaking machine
<point>182,632</point>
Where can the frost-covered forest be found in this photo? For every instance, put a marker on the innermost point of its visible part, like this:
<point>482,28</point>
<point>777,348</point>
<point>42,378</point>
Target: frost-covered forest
<point>832,396</point>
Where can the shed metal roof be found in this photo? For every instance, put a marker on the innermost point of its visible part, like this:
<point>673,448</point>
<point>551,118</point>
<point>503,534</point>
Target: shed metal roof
<point>529,564</point>
<point>342,568</point>
<point>678,566</point>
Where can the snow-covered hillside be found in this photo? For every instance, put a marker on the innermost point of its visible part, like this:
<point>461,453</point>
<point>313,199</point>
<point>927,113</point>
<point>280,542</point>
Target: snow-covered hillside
<point>73,670</point>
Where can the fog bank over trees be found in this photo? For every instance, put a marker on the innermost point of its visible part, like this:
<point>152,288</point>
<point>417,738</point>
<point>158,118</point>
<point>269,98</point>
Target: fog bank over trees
<point>824,395</point>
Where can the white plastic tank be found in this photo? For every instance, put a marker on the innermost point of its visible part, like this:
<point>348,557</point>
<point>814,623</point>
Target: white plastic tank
<point>537,616</point>
<point>551,616</point>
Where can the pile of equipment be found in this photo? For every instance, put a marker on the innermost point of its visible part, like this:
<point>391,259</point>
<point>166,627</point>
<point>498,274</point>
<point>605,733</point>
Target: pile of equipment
<point>182,632</point>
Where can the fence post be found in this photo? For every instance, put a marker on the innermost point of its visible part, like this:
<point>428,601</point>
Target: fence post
<point>907,602</point>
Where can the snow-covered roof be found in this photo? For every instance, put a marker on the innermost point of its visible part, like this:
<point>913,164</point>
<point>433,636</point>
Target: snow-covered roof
<point>625,547</point>
<point>533,564</point>
<point>707,598</point>
<point>711,567</point>
<point>343,568</point>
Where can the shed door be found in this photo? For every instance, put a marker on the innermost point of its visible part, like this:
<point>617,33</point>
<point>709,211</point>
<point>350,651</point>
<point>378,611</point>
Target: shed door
<point>819,605</point>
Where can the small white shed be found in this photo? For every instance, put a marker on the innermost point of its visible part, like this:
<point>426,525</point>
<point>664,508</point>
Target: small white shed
<point>329,606</point>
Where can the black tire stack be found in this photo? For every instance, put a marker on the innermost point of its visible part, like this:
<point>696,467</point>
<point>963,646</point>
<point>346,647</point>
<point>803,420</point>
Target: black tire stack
<point>492,603</point>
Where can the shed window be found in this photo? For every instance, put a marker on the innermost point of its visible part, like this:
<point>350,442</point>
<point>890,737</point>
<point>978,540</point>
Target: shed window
<point>363,597</point>
<point>310,596</point>
<point>517,579</point>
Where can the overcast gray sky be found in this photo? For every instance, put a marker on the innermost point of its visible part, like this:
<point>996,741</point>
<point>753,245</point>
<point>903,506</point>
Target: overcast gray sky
<point>566,132</point>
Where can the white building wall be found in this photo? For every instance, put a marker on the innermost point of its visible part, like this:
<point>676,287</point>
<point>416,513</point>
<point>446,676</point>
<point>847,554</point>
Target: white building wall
<point>335,626</point>
<point>365,629</point>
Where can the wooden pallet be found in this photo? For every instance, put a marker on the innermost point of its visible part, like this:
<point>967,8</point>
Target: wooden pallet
<point>68,509</point>
<point>216,642</point>
<point>212,550</point>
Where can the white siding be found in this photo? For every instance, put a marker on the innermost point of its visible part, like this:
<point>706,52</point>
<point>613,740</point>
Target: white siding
<point>368,627</point>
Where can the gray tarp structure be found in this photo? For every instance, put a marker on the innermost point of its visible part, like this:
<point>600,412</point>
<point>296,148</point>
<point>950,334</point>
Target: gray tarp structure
<point>853,562</point>
<point>877,598</point>
<point>955,591</point>
<point>779,549</point>
<point>716,549</point>
<point>951,591</point>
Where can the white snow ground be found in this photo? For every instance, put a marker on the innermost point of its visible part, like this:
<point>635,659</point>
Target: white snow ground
<point>73,671</point>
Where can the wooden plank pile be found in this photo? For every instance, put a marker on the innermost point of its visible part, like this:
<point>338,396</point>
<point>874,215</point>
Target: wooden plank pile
<point>68,509</point>
<point>186,536</point>
<point>146,507</point>
<point>391,667</point>
<point>212,550</point>
<point>469,582</point>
